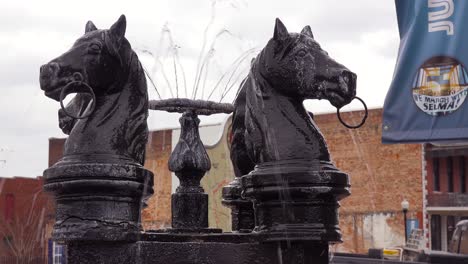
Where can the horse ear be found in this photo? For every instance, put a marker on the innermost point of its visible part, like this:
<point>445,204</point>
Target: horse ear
<point>90,27</point>
<point>280,31</point>
<point>119,27</point>
<point>307,31</point>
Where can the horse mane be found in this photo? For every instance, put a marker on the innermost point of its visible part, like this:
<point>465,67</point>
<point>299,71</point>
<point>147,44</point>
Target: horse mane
<point>241,161</point>
<point>138,131</point>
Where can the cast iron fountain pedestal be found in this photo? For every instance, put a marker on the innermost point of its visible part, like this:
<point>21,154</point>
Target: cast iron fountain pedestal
<point>189,161</point>
<point>284,198</point>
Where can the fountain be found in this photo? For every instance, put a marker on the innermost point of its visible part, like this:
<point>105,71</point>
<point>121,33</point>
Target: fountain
<point>284,198</point>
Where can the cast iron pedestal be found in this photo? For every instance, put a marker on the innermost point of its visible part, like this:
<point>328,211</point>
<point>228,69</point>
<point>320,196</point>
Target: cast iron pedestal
<point>97,200</point>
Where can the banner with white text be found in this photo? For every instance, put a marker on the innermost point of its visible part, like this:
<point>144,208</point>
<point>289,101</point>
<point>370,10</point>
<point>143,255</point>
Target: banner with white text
<point>427,98</point>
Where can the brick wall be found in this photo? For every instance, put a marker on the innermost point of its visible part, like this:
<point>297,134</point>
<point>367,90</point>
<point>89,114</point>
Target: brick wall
<point>55,150</point>
<point>25,212</point>
<point>381,177</point>
<point>158,213</point>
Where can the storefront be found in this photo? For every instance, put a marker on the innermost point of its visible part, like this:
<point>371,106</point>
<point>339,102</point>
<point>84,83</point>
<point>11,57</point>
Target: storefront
<point>446,195</point>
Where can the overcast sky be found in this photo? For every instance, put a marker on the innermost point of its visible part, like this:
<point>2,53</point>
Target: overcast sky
<point>361,34</point>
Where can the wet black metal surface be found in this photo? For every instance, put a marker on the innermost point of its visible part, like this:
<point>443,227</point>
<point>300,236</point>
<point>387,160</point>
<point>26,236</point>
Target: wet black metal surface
<point>189,161</point>
<point>199,107</point>
<point>206,249</point>
<point>100,184</point>
<point>284,199</point>
<point>278,152</point>
<point>242,210</point>
<point>104,60</point>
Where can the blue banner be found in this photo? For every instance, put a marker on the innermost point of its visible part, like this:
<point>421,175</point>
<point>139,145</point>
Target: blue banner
<point>410,225</point>
<point>427,98</point>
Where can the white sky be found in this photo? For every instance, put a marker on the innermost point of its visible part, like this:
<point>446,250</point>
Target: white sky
<point>361,34</point>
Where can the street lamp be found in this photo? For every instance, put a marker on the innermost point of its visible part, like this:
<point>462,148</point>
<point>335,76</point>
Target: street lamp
<point>405,207</point>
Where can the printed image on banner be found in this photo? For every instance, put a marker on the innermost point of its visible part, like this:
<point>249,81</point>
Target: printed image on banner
<point>440,86</point>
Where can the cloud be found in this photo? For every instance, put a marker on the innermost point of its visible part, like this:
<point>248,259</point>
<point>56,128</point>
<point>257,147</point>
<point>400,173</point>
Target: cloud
<point>361,34</point>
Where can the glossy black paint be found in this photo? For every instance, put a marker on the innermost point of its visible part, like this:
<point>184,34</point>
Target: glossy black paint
<point>291,68</point>
<point>105,61</point>
<point>242,210</point>
<point>278,151</point>
<point>284,198</point>
<point>100,184</point>
<point>189,161</point>
<point>199,249</point>
<point>199,107</point>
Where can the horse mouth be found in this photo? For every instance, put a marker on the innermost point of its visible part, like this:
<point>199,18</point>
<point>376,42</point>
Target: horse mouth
<point>339,93</point>
<point>54,93</point>
<point>52,89</point>
<point>337,99</point>
<point>335,93</point>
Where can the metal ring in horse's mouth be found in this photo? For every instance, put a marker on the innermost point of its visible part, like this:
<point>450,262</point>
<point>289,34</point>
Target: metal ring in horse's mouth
<point>77,87</point>
<point>363,119</point>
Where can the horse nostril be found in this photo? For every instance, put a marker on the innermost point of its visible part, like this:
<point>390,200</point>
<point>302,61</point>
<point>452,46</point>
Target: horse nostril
<point>54,66</point>
<point>49,69</point>
<point>345,78</point>
<point>348,77</point>
<point>77,77</point>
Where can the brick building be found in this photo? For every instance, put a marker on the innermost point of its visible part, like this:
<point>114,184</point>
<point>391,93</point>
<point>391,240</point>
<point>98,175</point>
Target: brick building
<point>26,215</point>
<point>381,177</point>
<point>445,192</point>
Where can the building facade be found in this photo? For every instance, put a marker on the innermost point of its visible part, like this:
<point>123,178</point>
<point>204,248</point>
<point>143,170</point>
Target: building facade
<point>445,191</point>
<point>381,176</point>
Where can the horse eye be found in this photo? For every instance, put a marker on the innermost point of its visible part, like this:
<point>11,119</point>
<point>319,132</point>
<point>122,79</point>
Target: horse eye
<point>301,53</point>
<point>94,48</point>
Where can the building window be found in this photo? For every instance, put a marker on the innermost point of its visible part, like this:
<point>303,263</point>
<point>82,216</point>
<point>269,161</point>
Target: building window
<point>436,241</point>
<point>59,254</point>
<point>451,223</point>
<point>9,206</point>
<point>462,175</point>
<point>435,173</point>
<point>450,174</point>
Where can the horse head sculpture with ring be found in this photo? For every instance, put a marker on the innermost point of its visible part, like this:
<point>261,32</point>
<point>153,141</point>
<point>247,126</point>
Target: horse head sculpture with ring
<point>278,153</point>
<point>101,174</point>
<point>112,121</point>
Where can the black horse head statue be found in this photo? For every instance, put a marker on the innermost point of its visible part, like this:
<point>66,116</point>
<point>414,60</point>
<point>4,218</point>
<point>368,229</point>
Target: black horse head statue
<point>111,123</point>
<point>270,122</point>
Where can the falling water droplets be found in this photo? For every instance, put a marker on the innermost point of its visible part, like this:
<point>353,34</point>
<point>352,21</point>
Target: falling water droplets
<point>217,71</point>
<point>331,252</point>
